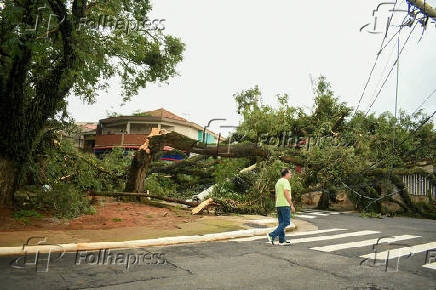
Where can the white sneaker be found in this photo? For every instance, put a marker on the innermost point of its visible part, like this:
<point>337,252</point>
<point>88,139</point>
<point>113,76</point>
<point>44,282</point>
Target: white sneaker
<point>269,238</point>
<point>285,243</point>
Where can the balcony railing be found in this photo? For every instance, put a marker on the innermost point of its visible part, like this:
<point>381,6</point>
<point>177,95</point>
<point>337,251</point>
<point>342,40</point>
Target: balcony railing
<point>119,140</point>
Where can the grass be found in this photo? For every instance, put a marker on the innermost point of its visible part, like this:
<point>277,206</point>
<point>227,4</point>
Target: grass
<point>149,216</point>
<point>117,219</point>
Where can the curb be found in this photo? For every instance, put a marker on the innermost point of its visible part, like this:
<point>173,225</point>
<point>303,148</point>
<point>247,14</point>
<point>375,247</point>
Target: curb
<point>167,241</point>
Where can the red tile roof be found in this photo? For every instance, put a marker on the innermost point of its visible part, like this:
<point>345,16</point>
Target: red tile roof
<point>162,113</point>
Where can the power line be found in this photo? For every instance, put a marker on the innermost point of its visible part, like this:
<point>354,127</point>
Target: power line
<point>425,100</point>
<point>377,57</point>
<point>390,72</point>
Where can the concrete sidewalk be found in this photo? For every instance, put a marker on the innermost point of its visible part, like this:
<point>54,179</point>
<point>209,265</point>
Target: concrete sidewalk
<point>46,247</point>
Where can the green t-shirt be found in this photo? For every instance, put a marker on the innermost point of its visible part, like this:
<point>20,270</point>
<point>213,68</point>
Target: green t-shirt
<point>281,185</point>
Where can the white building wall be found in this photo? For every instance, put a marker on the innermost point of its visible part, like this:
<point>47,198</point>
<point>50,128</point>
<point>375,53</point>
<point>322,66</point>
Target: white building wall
<point>187,131</point>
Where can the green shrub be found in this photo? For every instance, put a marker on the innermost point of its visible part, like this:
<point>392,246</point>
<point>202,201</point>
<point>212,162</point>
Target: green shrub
<point>26,213</point>
<point>159,185</point>
<point>64,201</point>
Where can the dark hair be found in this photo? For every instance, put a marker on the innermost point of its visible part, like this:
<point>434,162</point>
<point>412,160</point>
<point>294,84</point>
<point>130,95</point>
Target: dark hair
<point>285,171</point>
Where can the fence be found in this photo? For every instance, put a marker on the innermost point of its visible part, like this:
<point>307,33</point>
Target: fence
<point>419,185</point>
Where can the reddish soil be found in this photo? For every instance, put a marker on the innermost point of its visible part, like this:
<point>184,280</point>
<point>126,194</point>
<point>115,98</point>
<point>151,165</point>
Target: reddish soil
<point>110,214</point>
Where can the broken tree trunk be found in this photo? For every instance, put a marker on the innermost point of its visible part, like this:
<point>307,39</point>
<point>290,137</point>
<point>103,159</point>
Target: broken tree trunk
<point>140,163</point>
<point>202,206</point>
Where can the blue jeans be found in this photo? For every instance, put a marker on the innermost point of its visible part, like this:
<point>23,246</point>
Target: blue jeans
<point>284,216</point>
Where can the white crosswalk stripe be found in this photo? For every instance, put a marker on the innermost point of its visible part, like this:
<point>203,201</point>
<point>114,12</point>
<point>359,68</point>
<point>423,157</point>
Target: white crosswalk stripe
<point>337,247</point>
<point>319,213</point>
<point>430,266</point>
<point>296,234</point>
<point>332,237</point>
<point>399,252</point>
<point>305,216</point>
<point>311,214</point>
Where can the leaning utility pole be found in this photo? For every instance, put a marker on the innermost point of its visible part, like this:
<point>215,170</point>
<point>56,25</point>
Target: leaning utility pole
<point>425,8</point>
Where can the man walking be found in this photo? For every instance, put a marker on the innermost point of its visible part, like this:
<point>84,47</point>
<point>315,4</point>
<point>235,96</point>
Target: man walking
<point>284,207</point>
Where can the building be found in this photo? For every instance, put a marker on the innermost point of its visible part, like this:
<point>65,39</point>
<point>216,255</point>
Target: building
<point>85,138</point>
<point>130,131</point>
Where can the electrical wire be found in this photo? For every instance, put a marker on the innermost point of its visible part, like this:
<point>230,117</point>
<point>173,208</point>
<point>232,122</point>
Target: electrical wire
<point>376,59</point>
<point>425,100</point>
<point>390,72</point>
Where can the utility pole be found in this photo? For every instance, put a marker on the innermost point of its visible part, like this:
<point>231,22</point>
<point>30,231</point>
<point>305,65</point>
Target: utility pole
<point>425,8</point>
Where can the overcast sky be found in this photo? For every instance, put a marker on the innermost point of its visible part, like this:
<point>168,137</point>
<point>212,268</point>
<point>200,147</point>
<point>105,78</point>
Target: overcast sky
<point>234,45</point>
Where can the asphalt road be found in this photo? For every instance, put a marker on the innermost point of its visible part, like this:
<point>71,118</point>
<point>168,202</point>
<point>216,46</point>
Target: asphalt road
<point>317,260</point>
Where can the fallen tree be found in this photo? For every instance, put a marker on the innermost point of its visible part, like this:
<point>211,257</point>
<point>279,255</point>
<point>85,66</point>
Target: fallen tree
<point>157,139</point>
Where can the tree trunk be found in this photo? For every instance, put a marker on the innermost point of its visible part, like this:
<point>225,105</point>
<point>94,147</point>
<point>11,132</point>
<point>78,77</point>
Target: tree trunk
<point>8,181</point>
<point>138,171</point>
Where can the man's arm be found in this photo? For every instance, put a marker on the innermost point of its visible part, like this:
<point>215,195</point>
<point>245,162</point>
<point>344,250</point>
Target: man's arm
<point>288,198</point>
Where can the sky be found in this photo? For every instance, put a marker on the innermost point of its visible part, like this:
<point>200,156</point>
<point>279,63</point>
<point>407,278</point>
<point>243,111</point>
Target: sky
<point>279,45</point>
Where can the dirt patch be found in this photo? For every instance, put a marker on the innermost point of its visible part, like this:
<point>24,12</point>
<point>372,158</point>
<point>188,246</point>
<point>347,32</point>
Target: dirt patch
<point>110,214</point>
<point>115,221</point>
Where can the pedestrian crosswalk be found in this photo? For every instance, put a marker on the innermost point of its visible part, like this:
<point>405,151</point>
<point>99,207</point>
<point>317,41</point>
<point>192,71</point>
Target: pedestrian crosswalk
<point>400,252</point>
<point>370,241</point>
<point>312,213</point>
<point>430,266</point>
<point>332,237</point>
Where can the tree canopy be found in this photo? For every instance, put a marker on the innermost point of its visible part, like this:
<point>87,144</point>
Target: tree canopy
<point>50,49</point>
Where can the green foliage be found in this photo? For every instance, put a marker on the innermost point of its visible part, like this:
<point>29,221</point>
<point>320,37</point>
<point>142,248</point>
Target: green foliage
<point>343,149</point>
<point>65,55</point>
<point>159,185</point>
<point>61,163</point>
<point>253,191</point>
<point>70,174</point>
<point>187,177</point>
<point>227,168</point>
<point>64,201</point>
<point>24,215</point>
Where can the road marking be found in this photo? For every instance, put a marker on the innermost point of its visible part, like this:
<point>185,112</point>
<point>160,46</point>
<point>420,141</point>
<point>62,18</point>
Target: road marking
<point>321,211</point>
<point>323,238</point>
<point>399,252</point>
<point>430,266</point>
<point>290,234</point>
<point>264,221</point>
<point>337,247</point>
<point>305,216</point>
<point>318,213</point>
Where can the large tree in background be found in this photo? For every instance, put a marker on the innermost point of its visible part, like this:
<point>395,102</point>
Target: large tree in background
<point>355,153</point>
<point>66,53</point>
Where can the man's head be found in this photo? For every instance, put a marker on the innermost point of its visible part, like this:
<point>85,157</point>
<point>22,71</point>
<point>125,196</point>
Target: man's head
<point>286,173</point>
